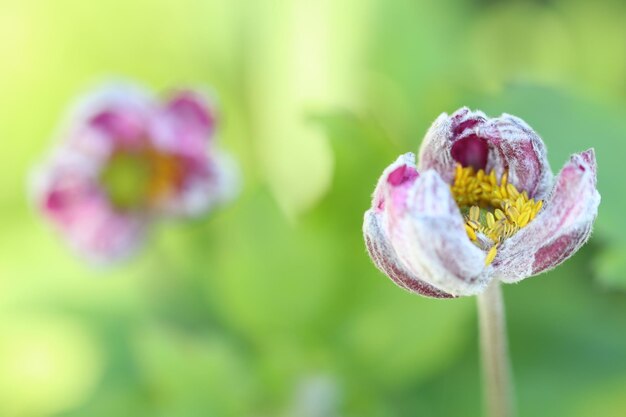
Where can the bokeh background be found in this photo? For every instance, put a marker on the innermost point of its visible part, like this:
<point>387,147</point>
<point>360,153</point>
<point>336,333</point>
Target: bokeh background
<point>271,307</point>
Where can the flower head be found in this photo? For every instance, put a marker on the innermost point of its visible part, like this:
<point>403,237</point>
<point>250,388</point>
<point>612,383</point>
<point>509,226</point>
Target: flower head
<point>126,159</point>
<point>481,204</point>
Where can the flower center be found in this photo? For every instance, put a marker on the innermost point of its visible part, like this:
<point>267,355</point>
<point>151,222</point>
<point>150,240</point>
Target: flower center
<point>492,211</point>
<point>139,177</point>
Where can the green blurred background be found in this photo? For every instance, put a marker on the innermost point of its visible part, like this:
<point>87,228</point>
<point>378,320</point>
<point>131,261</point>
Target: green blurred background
<point>271,306</point>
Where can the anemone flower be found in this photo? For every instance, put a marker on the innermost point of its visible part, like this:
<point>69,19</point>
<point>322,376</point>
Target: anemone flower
<point>126,159</point>
<point>479,208</point>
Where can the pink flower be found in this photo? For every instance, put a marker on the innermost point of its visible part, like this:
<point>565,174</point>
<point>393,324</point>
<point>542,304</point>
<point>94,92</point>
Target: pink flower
<point>482,204</point>
<point>126,159</point>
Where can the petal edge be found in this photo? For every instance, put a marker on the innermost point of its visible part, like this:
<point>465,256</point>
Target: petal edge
<point>560,229</point>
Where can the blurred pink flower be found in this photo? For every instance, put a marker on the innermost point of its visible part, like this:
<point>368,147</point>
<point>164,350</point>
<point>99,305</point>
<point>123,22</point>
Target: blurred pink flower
<point>126,159</point>
<point>482,204</point>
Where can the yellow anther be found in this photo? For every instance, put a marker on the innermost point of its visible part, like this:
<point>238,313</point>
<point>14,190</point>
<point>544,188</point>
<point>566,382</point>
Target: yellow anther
<point>470,232</point>
<point>474,225</point>
<point>495,210</point>
<point>510,188</point>
<point>474,213</point>
<point>459,171</point>
<point>512,213</point>
<point>523,219</point>
<point>490,220</point>
<point>491,255</point>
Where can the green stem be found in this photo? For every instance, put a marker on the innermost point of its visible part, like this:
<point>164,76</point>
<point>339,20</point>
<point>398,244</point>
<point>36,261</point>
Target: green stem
<point>497,381</point>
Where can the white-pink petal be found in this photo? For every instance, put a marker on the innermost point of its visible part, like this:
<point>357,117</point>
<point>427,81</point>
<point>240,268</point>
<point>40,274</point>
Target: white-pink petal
<point>114,115</point>
<point>511,145</point>
<point>429,237</point>
<point>217,183</point>
<point>386,260</point>
<point>66,193</point>
<point>560,229</point>
<point>418,224</point>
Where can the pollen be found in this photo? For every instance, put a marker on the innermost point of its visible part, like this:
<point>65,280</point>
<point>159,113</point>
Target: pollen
<point>493,210</point>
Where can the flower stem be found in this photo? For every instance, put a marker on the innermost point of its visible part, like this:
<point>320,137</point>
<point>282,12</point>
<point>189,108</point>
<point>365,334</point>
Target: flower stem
<point>497,382</point>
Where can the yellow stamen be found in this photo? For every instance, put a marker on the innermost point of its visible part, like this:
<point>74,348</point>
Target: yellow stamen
<point>491,255</point>
<point>474,213</point>
<point>495,211</point>
<point>470,232</point>
<point>491,221</point>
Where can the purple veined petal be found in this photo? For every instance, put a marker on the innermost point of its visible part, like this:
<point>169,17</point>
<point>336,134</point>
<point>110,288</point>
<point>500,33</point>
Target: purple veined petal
<point>401,174</point>
<point>503,143</point>
<point>116,115</point>
<point>402,171</point>
<point>386,261</point>
<point>436,149</point>
<point>426,231</point>
<point>560,229</point>
<point>514,146</point>
<point>67,194</point>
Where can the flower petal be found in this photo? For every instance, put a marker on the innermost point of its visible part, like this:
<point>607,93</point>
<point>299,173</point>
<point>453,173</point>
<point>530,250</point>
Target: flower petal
<point>68,195</point>
<point>425,231</point>
<point>191,107</point>
<point>514,146</point>
<point>116,115</point>
<point>386,261</point>
<point>560,229</point>
<point>184,128</point>
<point>205,185</point>
<point>503,143</point>
<point>402,171</point>
<point>185,125</point>
<point>434,152</point>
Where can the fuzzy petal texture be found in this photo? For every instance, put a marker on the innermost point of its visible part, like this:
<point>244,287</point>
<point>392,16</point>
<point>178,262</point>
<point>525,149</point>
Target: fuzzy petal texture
<point>377,240</point>
<point>560,229</point>
<point>502,143</point>
<point>415,232</point>
<point>419,223</point>
<point>386,261</point>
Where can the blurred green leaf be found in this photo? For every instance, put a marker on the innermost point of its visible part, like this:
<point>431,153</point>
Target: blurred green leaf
<point>610,267</point>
